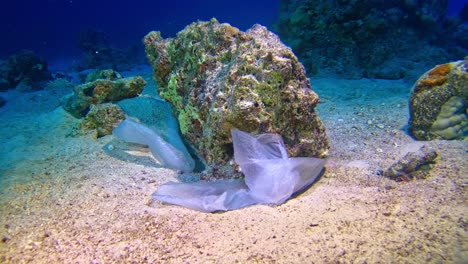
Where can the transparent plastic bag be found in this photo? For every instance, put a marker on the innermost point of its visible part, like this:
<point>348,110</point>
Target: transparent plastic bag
<point>270,177</point>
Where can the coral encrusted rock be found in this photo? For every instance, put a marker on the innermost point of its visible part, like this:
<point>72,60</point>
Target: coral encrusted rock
<point>101,91</point>
<point>106,74</point>
<point>103,118</point>
<point>217,77</point>
<point>389,39</point>
<point>438,103</point>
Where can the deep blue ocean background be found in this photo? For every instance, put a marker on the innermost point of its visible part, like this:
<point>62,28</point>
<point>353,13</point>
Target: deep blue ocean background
<point>51,28</point>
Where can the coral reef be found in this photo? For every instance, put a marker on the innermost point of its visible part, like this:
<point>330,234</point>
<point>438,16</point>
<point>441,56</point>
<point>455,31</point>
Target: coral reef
<point>101,91</point>
<point>438,103</point>
<point>24,68</point>
<point>217,78</point>
<point>374,39</point>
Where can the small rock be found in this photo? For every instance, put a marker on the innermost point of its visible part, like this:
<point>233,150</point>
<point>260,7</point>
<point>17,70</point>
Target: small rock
<point>103,118</point>
<point>412,165</point>
<point>381,126</point>
<point>101,91</point>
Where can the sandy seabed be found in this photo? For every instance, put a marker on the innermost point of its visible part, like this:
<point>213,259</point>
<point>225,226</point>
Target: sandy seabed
<point>68,199</point>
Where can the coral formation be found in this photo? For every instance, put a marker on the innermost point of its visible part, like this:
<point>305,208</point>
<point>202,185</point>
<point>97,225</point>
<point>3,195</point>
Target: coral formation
<point>103,118</point>
<point>24,68</point>
<point>452,121</point>
<point>374,39</point>
<point>216,78</point>
<point>438,103</point>
<point>101,91</point>
<point>95,100</point>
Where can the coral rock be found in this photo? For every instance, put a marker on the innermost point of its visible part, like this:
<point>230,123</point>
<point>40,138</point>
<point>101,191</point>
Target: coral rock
<point>101,91</point>
<point>103,118</point>
<point>412,165</point>
<point>438,103</point>
<point>372,39</point>
<point>217,78</point>
<point>107,74</point>
<point>25,68</point>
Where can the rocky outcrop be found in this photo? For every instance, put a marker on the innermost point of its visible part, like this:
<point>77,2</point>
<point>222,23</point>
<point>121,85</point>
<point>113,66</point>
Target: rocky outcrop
<point>217,78</point>
<point>101,91</point>
<point>373,39</point>
<point>438,103</point>
<point>26,69</point>
<point>96,101</point>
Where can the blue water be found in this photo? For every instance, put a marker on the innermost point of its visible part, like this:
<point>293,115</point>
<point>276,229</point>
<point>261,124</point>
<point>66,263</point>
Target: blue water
<point>51,27</point>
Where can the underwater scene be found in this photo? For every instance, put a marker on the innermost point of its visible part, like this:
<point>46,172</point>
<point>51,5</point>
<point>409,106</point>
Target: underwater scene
<point>261,131</point>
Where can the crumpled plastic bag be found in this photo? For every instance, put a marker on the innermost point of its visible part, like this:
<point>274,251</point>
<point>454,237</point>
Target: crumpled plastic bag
<point>270,177</point>
<point>174,156</point>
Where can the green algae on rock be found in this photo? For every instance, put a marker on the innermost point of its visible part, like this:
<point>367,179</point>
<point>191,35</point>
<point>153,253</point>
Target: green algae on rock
<point>217,77</point>
<point>438,103</point>
<point>94,100</point>
<point>106,74</point>
<point>101,91</point>
<point>103,118</point>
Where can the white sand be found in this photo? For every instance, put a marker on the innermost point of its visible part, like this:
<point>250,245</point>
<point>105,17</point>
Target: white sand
<point>68,199</point>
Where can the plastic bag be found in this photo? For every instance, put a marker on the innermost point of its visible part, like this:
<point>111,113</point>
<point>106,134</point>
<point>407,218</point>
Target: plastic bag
<point>168,154</point>
<point>270,177</point>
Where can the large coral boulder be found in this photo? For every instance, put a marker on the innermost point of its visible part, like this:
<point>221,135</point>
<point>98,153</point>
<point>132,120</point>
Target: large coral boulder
<point>217,78</point>
<point>438,103</point>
